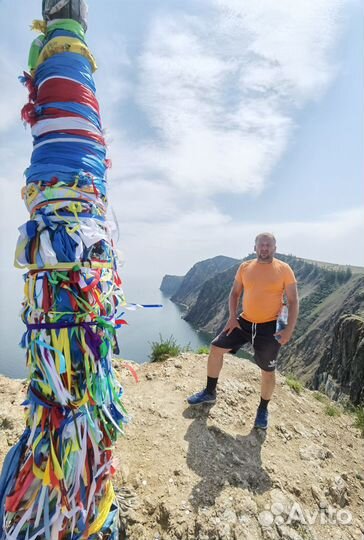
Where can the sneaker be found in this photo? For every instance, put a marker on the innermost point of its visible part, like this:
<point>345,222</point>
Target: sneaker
<point>261,419</point>
<point>201,397</point>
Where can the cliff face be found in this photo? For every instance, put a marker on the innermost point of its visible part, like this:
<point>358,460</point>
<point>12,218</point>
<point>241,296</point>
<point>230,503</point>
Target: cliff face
<point>196,277</point>
<point>341,367</point>
<point>327,352</point>
<point>170,284</point>
<point>320,344</point>
<point>209,310</point>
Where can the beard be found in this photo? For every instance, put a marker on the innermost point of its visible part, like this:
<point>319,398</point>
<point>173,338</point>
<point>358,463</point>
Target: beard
<point>265,256</point>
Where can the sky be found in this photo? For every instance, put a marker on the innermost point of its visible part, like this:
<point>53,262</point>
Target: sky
<point>223,119</point>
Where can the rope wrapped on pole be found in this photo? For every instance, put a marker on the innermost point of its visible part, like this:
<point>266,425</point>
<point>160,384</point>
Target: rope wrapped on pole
<point>56,481</point>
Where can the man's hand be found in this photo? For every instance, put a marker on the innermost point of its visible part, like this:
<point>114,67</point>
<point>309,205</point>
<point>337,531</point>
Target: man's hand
<point>283,336</point>
<point>231,325</point>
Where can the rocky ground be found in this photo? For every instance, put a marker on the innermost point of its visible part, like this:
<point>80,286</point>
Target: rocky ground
<point>205,474</point>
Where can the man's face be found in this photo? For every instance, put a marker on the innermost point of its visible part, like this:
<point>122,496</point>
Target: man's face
<point>265,248</point>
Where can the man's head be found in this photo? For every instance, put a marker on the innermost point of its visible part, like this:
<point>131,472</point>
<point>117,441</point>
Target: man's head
<point>265,247</point>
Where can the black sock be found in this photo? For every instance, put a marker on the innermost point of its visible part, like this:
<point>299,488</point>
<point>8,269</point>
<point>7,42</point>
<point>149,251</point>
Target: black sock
<point>211,384</point>
<point>263,403</point>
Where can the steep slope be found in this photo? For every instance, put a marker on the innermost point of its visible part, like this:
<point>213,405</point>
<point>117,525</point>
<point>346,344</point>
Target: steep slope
<point>328,352</point>
<point>341,368</point>
<point>204,474</point>
<point>210,311</point>
<point>170,284</point>
<point>194,279</point>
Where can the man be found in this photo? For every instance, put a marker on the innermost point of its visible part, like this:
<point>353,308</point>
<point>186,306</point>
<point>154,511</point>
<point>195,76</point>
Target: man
<point>263,280</point>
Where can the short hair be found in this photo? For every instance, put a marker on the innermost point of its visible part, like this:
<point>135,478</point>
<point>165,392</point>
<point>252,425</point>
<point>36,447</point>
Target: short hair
<point>265,235</point>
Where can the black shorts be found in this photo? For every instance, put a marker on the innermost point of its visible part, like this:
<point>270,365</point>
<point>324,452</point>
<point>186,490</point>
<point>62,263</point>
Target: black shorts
<point>261,336</point>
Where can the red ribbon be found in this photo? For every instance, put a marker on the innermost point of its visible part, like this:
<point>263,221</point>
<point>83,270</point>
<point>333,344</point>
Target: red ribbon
<point>62,90</point>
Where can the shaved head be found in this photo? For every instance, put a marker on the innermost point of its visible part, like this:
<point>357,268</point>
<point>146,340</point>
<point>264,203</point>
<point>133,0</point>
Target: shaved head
<point>264,236</point>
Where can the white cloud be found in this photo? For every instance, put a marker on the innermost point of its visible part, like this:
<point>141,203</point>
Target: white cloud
<point>289,43</point>
<point>13,94</point>
<point>173,247</point>
<point>111,77</point>
<point>219,90</point>
<point>143,201</point>
<point>12,214</point>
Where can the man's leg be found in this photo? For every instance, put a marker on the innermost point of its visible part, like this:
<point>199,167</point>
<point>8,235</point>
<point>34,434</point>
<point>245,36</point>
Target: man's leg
<point>222,344</point>
<point>215,361</point>
<point>214,366</point>
<point>266,349</point>
<point>268,382</point>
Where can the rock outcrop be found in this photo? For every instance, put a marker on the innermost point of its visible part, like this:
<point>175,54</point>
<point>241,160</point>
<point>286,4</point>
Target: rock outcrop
<point>170,284</point>
<point>196,277</point>
<point>204,474</point>
<point>329,353</point>
<point>341,369</point>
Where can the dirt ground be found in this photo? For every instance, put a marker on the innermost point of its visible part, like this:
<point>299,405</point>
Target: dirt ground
<point>204,473</point>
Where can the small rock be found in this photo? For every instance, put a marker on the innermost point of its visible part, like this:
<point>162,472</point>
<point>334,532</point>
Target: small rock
<point>149,505</point>
<point>138,531</point>
<point>295,490</point>
<point>312,452</point>
<point>319,497</point>
<point>287,533</point>
<point>6,423</point>
<point>283,432</point>
<point>338,491</point>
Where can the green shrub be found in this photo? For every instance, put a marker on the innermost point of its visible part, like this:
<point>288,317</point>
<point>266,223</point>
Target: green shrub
<point>359,420</point>
<point>322,398</point>
<point>165,348</point>
<point>294,384</point>
<point>331,410</point>
<point>203,350</point>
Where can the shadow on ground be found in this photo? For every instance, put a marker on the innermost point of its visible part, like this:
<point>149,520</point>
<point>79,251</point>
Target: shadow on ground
<point>221,459</point>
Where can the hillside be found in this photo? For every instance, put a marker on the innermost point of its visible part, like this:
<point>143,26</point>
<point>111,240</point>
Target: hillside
<point>204,474</point>
<point>327,293</point>
<point>171,284</point>
<point>196,277</point>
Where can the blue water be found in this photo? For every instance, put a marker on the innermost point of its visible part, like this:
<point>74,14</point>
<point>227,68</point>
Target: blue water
<point>144,326</point>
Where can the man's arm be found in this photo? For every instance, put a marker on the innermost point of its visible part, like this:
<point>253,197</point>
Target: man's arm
<point>234,297</point>
<point>293,309</point>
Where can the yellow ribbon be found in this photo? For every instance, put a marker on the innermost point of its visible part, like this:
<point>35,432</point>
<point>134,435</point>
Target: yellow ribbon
<point>65,44</point>
<point>63,266</point>
<point>39,26</point>
<point>104,509</point>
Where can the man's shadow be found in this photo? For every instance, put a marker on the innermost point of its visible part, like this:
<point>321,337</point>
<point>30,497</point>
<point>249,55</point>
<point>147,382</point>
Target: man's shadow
<point>221,459</point>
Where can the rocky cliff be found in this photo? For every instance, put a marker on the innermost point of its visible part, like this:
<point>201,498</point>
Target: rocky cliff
<point>204,474</point>
<point>328,353</point>
<point>327,293</point>
<point>171,284</point>
<point>196,277</point>
<point>341,367</point>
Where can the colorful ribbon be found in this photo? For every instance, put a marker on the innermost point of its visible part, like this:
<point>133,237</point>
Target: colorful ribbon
<point>56,482</point>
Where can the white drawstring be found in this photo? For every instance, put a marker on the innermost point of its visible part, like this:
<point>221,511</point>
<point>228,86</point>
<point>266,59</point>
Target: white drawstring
<point>254,332</point>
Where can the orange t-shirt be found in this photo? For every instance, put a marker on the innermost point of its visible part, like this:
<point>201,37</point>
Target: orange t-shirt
<point>264,284</point>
